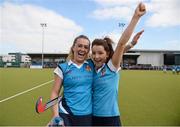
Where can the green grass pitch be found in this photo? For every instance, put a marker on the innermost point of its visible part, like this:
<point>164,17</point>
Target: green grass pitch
<point>147,98</point>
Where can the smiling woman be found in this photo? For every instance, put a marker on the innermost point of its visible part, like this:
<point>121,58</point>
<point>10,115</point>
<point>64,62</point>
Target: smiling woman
<point>80,49</point>
<point>76,76</point>
<point>106,76</point>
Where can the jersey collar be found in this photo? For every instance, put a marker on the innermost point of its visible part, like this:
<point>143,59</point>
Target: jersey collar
<point>97,71</point>
<point>78,66</point>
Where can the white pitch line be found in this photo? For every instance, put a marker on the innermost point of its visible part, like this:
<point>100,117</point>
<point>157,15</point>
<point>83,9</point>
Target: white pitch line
<point>25,91</point>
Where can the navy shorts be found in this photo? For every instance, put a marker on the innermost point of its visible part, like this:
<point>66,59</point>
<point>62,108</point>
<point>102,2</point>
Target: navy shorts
<point>74,120</point>
<point>106,121</point>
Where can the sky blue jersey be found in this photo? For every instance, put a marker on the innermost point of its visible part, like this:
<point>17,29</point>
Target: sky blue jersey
<point>105,92</point>
<point>77,83</point>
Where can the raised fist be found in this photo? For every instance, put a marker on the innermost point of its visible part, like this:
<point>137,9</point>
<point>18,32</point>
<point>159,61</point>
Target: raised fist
<point>140,10</point>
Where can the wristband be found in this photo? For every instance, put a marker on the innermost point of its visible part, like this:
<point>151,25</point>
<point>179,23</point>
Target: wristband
<point>131,45</point>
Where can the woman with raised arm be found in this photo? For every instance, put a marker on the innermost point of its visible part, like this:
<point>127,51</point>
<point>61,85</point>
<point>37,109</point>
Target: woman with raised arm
<point>106,75</point>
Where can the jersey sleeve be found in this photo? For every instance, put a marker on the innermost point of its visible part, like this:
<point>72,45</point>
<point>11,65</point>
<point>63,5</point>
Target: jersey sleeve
<point>112,67</point>
<point>58,72</point>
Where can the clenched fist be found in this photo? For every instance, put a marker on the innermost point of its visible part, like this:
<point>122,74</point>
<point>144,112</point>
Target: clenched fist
<point>140,10</point>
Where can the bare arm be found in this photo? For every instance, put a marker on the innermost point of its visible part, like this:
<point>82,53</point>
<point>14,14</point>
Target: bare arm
<point>134,41</point>
<point>117,56</point>
<point>55,93</point>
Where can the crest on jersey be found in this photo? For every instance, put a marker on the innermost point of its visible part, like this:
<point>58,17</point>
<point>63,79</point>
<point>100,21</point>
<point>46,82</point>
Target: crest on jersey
<point>103,71</point>
<point>88,68</point>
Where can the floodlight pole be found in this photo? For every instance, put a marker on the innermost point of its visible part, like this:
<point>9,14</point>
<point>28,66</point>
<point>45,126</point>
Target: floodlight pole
<point>121,25</point>
<point>43,25</point>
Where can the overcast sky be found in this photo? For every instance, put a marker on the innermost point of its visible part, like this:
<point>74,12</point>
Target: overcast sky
<point>21,31</point>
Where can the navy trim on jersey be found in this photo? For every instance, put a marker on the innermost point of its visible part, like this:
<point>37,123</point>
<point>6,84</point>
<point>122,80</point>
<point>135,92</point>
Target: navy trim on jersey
<point>60,68</point>
<point>72,88</point>
<point>65,106</point>
<point>63,71</point>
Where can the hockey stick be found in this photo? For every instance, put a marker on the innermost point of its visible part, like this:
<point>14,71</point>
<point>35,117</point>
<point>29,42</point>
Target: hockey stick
<point>40,107</point>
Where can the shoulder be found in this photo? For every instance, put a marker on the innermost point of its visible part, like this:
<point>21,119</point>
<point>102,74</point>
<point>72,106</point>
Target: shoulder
<point>90,62</point>
<point>60,69</point>
<point>62,66</point>
<point>112,67</point>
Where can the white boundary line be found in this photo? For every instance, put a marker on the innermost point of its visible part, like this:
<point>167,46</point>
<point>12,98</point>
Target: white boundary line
<point>25,91</point>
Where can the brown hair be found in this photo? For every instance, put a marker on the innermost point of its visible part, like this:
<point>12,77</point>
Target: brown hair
<point>107,44</point>
<point>71,53</point>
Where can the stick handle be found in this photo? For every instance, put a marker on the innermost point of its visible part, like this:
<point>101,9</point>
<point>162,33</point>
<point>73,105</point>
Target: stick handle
<point>53,102</point>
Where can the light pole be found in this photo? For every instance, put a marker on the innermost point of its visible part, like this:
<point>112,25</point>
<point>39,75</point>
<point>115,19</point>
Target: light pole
<point>43,25</point>
<point>121,25</point>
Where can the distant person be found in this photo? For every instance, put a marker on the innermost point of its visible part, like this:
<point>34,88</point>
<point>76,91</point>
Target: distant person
<point>174,69</point>
<point>76,77</point>
<point>177,69</point>
<point>164,68</point>
<point>106,76</point>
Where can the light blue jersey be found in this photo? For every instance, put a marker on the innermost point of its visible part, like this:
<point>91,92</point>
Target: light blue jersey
<point>105,92</point>
<point>77,83</point>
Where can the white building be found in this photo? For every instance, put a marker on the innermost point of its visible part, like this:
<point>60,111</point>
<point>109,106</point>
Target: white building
<point>15,60</point>
<point>25,58</point>
<point>152,57</point>
<point>8,58</point>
